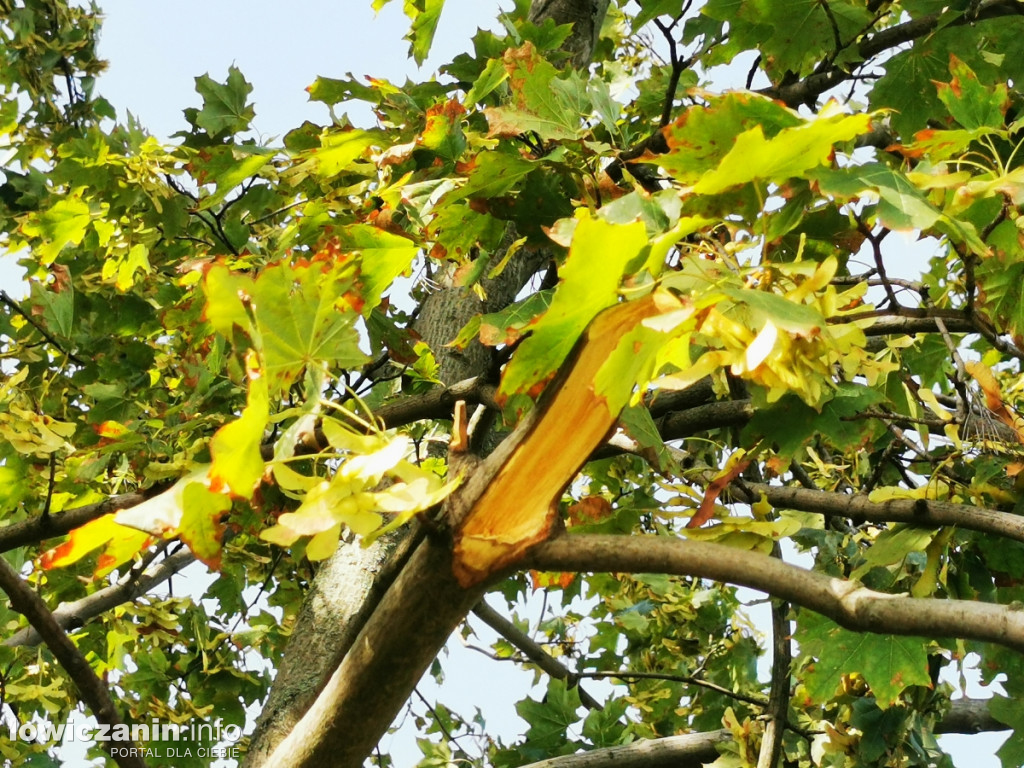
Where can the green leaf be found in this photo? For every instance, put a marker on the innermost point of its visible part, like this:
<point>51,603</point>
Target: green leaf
<point>384,257</point>
<point>638,424</point>
<point>58,308</point>
<point>550,718</point>
<point>542,102</point>
<point>891,547</point>
<point>792,35</point>
<point>589,283</point>
<point>337,152</point>
<point>651,9</point>
<point>225,105</point>
<point>901,205</point>
<point>296,314</point>
<point>702,136</point>
<point>62,224</point>
<point>333,91</point>
<point>1007,710</point>
<point>424,15</point>
<point>791,152</point>
<point>233,166</point>
<point>888,663</point>
<point>970,103</point>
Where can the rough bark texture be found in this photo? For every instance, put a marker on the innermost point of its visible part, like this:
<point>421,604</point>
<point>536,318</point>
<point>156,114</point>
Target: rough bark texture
<point>586,17</point>
<point>397,644</point>
<point>348,588</point>
<point>341,598</point>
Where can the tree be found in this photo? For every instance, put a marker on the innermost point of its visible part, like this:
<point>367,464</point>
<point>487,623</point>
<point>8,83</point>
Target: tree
<point>663,341</point>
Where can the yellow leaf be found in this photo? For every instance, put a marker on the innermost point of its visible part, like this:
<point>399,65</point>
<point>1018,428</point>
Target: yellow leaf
<point>324,544</point>
<point>237,461</point>
<point>929,399</point>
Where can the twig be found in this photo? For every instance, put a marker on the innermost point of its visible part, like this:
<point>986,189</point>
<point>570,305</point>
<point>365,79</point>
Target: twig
<point>756,700</point>
<point>533,651</point>
<point>50,484</point>
<point>6,299</point>
<point>94,691</point>
<point>76,614</point>
<point>777,712</point>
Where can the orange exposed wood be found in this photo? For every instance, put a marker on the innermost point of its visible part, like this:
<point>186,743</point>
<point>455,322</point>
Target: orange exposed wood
<point>519,505</point>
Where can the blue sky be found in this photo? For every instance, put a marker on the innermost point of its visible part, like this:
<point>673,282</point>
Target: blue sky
<point>157,49</point>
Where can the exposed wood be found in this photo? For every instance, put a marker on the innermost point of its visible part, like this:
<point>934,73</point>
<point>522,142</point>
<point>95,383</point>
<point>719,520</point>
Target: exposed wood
<point>442,316</point>
<point>516,501</point>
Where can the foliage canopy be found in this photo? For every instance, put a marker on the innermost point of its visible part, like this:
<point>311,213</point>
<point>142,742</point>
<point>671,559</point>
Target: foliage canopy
<point>714,337</point>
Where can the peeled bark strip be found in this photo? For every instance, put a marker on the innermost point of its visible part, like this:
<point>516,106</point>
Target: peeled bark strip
<point>516,503</point>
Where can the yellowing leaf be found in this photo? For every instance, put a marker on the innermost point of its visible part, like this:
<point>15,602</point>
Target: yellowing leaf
<point>589,283</point>
<point>322,545</point>
<point>371,467</point>
<point>201,527</point>
<point>81,542</point>
<point>161,515</point>
<point>792,152</point>
<point>237,461</point>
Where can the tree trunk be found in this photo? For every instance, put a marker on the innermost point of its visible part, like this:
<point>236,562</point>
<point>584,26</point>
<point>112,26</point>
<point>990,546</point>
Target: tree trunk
<point>349,587</point>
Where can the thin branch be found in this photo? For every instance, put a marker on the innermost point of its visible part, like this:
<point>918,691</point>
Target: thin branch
<point>16,307</point>
<point>94,691</point>
<point>837,39</point>
<point>695,749</point>
<point>75,614</point>
<point>808,89</point>
<point>755,700</point>
<point>533,651</point>
<point>913,511</point>
<point>50,484</point>
<point>436,404</point>
<point>777,713</point>
<point>278,212</point>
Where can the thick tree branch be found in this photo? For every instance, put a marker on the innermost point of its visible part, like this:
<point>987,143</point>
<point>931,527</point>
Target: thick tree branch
<point>690,751</point>
<point>848,603</point>
<point>75,614</point>
<point>969,716</point>
<point>38,528</point>
<point>386,660</point>
<point>347,588</point>
<point>94,691</point>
